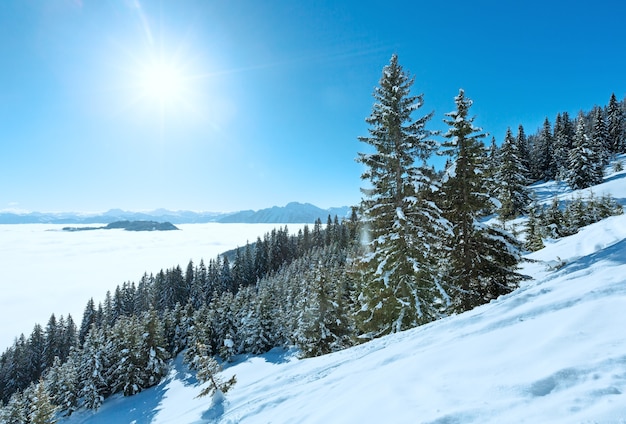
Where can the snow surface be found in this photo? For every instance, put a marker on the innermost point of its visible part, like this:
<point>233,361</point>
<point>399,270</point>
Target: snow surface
<point>44,270</point>
<point>554,351</point>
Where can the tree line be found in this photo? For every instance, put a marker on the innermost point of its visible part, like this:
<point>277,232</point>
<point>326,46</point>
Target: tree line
<point>417,248</point>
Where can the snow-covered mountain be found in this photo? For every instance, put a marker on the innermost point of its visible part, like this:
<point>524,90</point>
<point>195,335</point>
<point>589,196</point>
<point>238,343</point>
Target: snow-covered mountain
<point>292,213</point>
<point>553,351</point>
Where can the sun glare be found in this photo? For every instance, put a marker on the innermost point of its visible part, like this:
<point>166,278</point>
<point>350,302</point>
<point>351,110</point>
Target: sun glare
<point>162,82</point>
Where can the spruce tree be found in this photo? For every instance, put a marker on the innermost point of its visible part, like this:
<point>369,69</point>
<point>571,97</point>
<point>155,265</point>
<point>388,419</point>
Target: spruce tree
<point>615,126</point>
<point>92,369</point>
<point>534,240</point>
<point>399,288</point>
<point>16,411</point>
<point>562,143</point>
<point>585,164</point>
<point>552,220</point>
<point>323,319</point>
<point>42,410</point>
<point>524,151</point>
<point>89,318</point>
<point>542,152</point>
<point>600,138</point>
<point>207,371</point>
<point>511,180</point>
<point>482,262</point>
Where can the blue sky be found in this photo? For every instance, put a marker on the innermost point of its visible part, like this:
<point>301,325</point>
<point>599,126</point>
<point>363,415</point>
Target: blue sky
<point>259,103</point>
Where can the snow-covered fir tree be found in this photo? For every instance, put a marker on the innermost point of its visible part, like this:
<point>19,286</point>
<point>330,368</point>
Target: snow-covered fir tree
<point>542,152</point>
<point>534,240</point>
<point>481,263</point>
<point>562,143</point>
<point>42,410</point>
<point>616,126</point>
<point>324,321</point>
<point>62,384</point>
<point>510,179</point>
<point>399,280</point>
<point>600,137</point>
<point>92,369</point>
<point>138,358</point>
<point>207,372</point>
<point>16,411</point>
<point>585,163</point>
<point>552,220</point>
<point>524,151</point>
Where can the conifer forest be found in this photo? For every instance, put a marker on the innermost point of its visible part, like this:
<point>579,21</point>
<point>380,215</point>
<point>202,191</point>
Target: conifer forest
<point>416,249</point>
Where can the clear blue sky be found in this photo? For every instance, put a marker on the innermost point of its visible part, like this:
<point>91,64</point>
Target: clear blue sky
<point>258,103</point>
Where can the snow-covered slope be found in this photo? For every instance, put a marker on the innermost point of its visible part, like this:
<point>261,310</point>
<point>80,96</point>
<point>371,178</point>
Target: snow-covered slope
<point>554,351</point>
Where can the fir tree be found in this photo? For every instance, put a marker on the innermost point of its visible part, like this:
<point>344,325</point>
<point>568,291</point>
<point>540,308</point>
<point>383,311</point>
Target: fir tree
<point>553,220</point>
<point>62,383</point>
<point>89,318</point>
<point>36,353</point>
<point>42,410</point>
<point>92,370</point>
<point>534,240</point>
<point>324,324</point>
<point>16,411</point>
<point>482,262</point>
<point>600,138</point>
<point>542,162</point>
<point>562,143</point>
<point>511,180</point>
<point>399,289</point>
<point>584,162</point>
<point>524,151</point>
<point>615,126</point>
<point>207,371</point>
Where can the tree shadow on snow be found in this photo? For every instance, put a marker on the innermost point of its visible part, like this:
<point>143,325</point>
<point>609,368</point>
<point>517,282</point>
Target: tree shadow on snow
<point>216,411</point>
<point>139,409</point>
<point>615,177</point>
<point>615,253</point>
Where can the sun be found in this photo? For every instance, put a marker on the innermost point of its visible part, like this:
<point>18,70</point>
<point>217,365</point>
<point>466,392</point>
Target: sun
<point>162,82</point>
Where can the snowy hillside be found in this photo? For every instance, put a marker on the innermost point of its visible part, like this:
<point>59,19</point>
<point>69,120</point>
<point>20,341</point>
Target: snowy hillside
<point>553,351</point>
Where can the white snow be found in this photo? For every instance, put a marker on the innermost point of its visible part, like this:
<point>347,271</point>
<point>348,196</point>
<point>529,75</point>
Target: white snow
<point>554,351</point>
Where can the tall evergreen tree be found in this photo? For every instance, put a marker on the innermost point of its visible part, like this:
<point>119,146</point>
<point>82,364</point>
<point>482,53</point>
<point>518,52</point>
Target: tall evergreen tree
<point>16,411</point>
<point>92,369</point>
<point>36,353</point>
<point>616,127</point>
<point>399,288</point>
<point>511,180</point>
<point>493,163</point>
<point>541,152</point>
<point>524,150</point>
<point>600,138</point>
<point>534,240</point>
<point>584,162</point>
<point>42,410</point>
<point>482,262</point>
<point>562,144</point>
<point>89,318</point>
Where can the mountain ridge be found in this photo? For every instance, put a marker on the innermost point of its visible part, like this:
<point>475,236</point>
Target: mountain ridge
<point>292,213</point>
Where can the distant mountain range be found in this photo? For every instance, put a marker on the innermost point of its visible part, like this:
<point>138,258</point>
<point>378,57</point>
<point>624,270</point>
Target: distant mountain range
<point>292,213</point>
